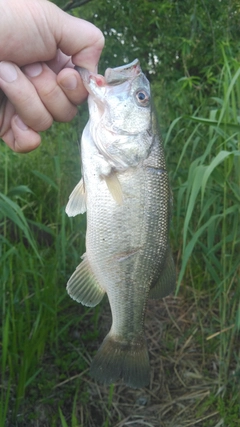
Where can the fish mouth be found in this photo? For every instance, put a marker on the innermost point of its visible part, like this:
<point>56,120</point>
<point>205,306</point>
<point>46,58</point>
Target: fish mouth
<point>87,76</point>
<point>112,76</point>
<point>118,75</point>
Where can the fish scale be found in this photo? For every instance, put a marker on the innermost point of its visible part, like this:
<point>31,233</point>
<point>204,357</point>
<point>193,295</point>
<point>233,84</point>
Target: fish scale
<point>126,194</point>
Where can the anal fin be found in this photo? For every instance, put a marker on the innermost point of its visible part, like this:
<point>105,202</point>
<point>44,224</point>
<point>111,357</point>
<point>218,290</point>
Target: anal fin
<point>167,278</point>
<point>83,286</point>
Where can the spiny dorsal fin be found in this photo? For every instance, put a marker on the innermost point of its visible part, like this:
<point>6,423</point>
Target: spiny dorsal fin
<point>83,287</point>
<point>114,187</point>
<point>77,200</point>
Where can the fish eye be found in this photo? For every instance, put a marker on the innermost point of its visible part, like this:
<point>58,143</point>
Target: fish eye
<point>142,97</point>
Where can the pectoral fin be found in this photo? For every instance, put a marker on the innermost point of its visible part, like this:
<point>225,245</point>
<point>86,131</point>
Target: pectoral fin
<point>83,285</point>
<point>77,200</point>
<point>114,187</point>
<point>167,279</point>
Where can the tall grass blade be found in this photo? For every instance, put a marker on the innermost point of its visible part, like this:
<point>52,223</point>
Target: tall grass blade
<point>62,418</point>
<point>12,211</point>
<point>46,179</point>
<point>220,157</point>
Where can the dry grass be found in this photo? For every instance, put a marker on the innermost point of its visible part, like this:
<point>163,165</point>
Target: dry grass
<point>182,377</point>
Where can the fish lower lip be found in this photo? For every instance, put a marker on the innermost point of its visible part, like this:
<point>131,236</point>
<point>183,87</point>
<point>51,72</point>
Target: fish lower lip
<point>86,76</point>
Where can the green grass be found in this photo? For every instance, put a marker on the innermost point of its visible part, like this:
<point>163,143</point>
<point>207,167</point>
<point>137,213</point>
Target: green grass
<point>208,206</point>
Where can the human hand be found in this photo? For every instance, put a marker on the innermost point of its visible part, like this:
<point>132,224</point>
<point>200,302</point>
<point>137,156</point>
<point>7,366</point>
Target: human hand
<point>39,45</point>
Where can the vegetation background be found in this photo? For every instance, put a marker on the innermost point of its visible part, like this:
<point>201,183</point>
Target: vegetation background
<point>190,53</point>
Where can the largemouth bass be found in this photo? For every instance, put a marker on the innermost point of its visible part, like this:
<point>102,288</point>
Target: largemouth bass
<point>125,191</point>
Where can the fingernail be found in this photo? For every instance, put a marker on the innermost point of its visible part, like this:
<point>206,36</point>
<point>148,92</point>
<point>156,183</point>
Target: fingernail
<point>33,70</point>
<point>8,72</point>
<point>69,82</point>
<point>20,123</point>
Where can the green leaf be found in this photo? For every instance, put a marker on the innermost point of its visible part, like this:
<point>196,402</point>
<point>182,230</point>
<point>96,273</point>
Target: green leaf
<point>62,418</point>
<point>230,126</point>
<point>220,157</point>
<point>12,211</point>
<point>19,191</point>
<point>194,185</point>
<point>46,179</point>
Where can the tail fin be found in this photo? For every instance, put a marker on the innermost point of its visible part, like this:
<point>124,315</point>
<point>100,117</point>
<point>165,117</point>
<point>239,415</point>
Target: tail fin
<point>117,359</point>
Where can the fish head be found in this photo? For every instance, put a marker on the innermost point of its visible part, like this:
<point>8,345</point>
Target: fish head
<point>120,112</point>
<point>128,99</point>
<point>123,94</point>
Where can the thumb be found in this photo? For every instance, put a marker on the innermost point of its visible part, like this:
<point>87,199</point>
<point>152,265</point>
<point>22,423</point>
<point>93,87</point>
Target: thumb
<point>79,39</point>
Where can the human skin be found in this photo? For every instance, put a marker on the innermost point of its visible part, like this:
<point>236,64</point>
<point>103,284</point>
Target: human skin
<point>39,46</point>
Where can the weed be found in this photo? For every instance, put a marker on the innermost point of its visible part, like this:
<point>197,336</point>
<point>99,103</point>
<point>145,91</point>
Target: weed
<point>210,196</point>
